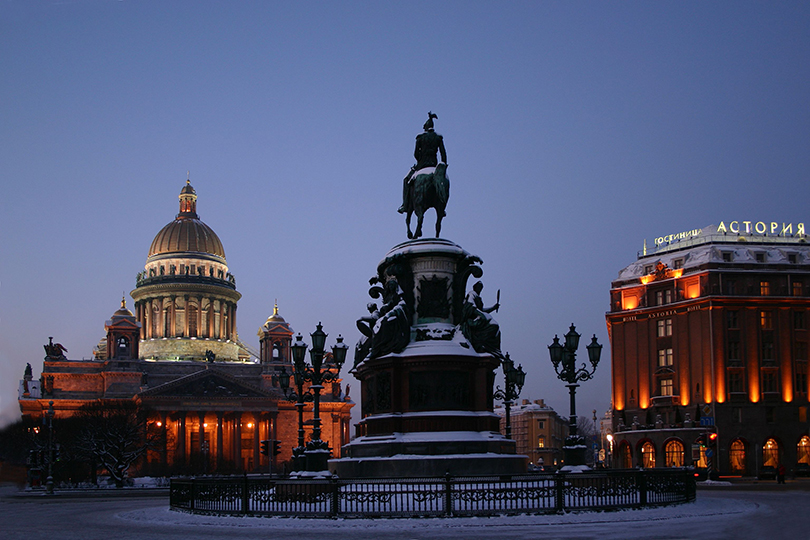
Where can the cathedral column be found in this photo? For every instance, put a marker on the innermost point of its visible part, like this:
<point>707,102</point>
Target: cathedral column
<point>185,316</point>
<point>164,438</point>
<point>237,435</point>
<point>201,416</point>
<point>233,322</point>
<point>257,424</point>
<point>181,438</point>
<point>224,319</point>
<point>147,318</point>
<point>199,316</point>
<point>210,318</point>
<point>173,317</point>
<point>162,319</point>
<point>219,440</point>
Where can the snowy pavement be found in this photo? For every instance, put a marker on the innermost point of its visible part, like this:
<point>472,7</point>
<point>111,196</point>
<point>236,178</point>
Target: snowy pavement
<point>716,514</point>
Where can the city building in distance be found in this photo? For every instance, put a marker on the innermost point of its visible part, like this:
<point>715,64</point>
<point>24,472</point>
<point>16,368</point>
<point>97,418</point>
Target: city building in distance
<point>538,431</point>
<point>709,343</point>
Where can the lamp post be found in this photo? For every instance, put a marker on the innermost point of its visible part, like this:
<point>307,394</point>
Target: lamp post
<point>564,357</point>
<point>49,481</point>
<point>514,384</point>
<point>318,372</point>
<point>610,449</point>
<point>299,397</point>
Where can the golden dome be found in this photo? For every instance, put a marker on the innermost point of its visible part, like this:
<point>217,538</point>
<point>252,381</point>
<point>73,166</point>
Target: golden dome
<point>187,233</point>
<point>123,311</point>
<point>184,235</point>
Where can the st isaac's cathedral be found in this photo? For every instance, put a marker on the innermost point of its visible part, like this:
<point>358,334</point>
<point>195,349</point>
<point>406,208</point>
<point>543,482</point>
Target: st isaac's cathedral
<point>179,356</point>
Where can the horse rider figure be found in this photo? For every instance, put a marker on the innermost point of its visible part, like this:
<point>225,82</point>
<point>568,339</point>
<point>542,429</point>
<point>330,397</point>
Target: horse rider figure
<point>428,144</point>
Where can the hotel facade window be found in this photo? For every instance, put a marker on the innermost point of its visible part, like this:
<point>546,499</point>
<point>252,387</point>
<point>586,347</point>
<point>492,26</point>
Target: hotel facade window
<point>648,455</point>
<point>665,328</point>
<point>665,357</point>
<point>737,456</point>
<point>736,381</point>
<point>764,288</point>
<point>770,453</point>
<point>673,452</point>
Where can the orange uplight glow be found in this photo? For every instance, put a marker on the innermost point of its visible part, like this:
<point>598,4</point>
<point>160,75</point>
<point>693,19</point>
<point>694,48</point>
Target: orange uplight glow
<point>787,388</point>
<point>205,425</point>
<point>629,301</point>
<point>646,279</point>
<point>677,272</point>
<point>159,424</point>
<point>250,425</point>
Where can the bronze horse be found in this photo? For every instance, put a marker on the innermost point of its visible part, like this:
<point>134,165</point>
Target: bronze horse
<point>428,191</point>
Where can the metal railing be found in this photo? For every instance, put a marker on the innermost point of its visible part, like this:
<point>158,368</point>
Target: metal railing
<point>448,496</point>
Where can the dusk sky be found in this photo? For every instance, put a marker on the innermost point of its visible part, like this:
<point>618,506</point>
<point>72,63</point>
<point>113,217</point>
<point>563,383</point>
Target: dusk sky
<point>574,131</point>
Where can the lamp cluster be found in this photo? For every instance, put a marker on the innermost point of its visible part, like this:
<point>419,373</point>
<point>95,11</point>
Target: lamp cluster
<point>324,367</point>
<point>514,377</point>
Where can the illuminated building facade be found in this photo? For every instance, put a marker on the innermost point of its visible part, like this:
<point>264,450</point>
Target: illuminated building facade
<point>179,356</point>
<point>709,334</point>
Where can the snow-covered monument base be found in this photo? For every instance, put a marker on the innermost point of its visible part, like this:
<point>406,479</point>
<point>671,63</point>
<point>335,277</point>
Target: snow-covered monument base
<point>427,366</point>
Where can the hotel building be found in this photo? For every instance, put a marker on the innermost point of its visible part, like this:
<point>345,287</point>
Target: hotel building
<point>709,345</point>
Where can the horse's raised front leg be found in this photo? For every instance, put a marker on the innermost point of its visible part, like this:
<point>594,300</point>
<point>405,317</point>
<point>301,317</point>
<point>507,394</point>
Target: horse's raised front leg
<point>408,223</point>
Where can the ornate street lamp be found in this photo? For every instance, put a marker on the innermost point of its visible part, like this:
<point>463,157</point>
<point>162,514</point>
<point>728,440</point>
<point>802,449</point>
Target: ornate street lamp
<point>315,455</point>
<point>564,357</point>
<point>514,384</point>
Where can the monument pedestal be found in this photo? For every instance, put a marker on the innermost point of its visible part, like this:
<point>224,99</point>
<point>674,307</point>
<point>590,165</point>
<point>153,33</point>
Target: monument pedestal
<point>427,406</point>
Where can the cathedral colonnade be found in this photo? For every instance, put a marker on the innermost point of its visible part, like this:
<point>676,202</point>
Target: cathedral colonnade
<point>213,440</point>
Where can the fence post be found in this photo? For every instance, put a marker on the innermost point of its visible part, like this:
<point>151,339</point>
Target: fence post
<point>245,495</point>
<point>335,496</point>
<point>559,492</point>
<point>448,494</point>
<point>193,492</point>
<point>642,487</point>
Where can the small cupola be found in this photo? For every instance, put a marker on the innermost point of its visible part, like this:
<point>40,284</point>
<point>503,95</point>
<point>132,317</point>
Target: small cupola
<point>188,202</point>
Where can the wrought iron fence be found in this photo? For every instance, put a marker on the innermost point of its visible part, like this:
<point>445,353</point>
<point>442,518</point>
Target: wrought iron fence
<point>448,496</point>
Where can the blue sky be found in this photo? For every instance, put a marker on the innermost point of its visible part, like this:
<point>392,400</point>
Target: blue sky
<point>574,130</point>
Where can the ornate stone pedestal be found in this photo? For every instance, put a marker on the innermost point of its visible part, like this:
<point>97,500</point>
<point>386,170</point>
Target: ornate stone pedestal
<point>426,370</point>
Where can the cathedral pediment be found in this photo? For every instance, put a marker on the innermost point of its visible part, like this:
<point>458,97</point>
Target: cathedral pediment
<point>209,383</point>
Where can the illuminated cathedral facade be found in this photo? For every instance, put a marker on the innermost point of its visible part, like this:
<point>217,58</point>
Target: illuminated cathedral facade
<point>178,355</point>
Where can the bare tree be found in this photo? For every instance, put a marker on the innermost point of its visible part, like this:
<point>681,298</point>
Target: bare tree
<point>115,435</point>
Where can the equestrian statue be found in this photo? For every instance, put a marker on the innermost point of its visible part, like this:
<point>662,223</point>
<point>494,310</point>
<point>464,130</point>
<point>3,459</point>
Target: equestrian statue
<point>426,184</point>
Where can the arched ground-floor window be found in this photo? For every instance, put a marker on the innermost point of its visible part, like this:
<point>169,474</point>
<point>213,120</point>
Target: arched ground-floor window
<point>674,453</point>
<point>770,453</point>
<point>803,450</point>
<point>737,456</point>
<point>648,455</point>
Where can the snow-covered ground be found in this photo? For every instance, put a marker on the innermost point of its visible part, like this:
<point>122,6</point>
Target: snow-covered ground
<point>717,514</point>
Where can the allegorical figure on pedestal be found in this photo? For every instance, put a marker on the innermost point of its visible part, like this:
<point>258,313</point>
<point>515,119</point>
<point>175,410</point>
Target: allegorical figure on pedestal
<point>426,185</point>
<point>392,331</point>
<point>366,327</point>
<point>477,324</point>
